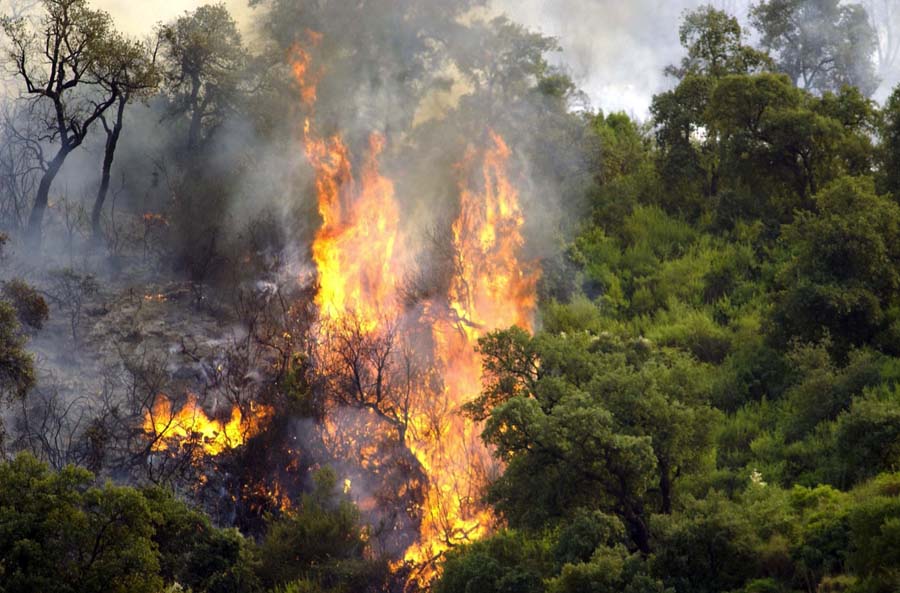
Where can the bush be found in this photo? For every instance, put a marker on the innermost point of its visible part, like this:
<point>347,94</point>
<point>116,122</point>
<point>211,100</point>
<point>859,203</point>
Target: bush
<point>509,561</point>
<point>321,542</point>
<point>16,364</point>
<point>30,306</point>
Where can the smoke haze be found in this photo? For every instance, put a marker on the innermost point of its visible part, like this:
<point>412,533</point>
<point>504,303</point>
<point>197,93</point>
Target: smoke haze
<point>615,50</point>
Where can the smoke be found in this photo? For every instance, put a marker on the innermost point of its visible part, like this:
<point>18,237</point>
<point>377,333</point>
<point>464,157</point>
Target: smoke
<point>616,51</point>
<point>382,78</point>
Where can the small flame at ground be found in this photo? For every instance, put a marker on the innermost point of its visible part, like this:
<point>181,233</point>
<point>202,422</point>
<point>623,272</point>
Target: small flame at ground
<point>190,426</point>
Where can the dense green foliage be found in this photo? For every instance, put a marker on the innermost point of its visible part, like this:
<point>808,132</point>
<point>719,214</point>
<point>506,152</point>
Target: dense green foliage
<point>64,532</point>
<point>715,408</point>
<point>20,304</point>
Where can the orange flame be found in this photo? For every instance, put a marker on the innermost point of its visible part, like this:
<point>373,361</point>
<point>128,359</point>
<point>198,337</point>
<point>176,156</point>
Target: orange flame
<point>492,290</point>
<point>191,426</point>
<point>355,249</point>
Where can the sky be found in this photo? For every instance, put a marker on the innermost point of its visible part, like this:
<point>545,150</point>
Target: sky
<point>138,17</point>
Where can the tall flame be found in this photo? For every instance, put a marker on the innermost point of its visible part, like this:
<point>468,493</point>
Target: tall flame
<point>360,252</point>
<point>492,289</point>
<point>355,249</point>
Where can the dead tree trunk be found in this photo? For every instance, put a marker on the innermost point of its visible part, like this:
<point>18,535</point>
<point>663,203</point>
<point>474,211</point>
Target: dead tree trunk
<point>109,154</point>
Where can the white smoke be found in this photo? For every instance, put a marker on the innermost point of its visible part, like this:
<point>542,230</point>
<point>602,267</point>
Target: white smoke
<point>616,51</point>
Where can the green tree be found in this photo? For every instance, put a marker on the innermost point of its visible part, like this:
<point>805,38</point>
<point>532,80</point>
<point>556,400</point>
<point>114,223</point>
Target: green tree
<point>16,364</point>
<point>688,160</point>
<point>666,399</point>
<point>708,548</point>
<point>778,145</point>
<point>130,73</point>
<point>203,64</point>
<point>17,374</point>
<point>576,444</point>
<point>874,520</point>
<point>890,134</point>
<point>197,555</point>
<point>714,41</point>
<point>609,570</point>
<point>685,159</point>
<point>61,534</point>
<point>769,137</point>
<point>507,562</point>
<point>821,44</point>
<point>320,542</point>
<point>837,274</point>
<point>867,436</point>
<point>618,423</point>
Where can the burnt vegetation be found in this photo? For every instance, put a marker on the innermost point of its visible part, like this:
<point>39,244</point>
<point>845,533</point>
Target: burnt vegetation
<point>372,300</point>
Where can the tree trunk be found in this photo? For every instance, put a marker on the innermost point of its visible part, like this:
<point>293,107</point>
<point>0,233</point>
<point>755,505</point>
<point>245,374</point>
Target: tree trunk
<point>112,140</point>
<point>196,114</point>
<point>36,219</point>
<point>638,530</point>
<point>194,132</point>
<point>665,488</point>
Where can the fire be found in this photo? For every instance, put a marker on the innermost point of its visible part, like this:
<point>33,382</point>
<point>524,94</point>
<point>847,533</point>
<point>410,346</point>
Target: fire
<point>492,290</point>
<point>191,426</point>
<point>360,252</point>
<point>355,250</point>
<point>154,219</point>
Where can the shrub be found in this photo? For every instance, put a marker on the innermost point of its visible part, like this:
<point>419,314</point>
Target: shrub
<point>30,306</point>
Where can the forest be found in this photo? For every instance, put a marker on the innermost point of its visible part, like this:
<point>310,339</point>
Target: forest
<point>368,297</point>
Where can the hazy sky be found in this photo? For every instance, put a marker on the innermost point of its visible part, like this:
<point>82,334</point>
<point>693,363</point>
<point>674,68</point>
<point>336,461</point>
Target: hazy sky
<point>139,16</point>
<point>615,49</point>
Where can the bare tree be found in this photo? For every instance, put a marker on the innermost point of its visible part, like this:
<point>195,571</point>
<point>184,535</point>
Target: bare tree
<point>70,290</point>
<point>884,16</point>
<point>130,75</point>
<point>51,427</point>
<point>73,218</point>
<point>19,8</point>
<point>61,61</point>
<point>21,165</point>
<point>370,370</point>
<point>737,8</point>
